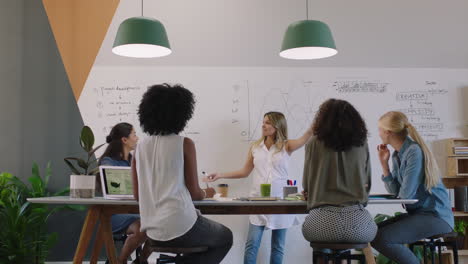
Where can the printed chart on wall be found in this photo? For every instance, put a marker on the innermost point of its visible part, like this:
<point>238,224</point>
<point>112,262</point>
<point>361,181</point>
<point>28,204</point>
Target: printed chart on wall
<point>231,103</point>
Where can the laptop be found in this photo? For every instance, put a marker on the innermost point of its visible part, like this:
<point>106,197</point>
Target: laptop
<point>116,182</point>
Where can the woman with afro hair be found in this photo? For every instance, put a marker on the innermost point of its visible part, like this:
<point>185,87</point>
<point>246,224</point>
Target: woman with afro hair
<point>165,178</point>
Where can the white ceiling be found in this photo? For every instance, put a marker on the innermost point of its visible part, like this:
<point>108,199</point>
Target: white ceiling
<point>368,33</point>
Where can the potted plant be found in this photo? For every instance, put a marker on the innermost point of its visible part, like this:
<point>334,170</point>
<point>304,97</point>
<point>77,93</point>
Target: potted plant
<point>460,228</point>
<point>24,237</point>
<point>83,180</point>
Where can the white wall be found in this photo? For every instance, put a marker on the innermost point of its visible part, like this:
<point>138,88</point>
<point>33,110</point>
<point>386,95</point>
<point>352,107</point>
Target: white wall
<point>368,33</point>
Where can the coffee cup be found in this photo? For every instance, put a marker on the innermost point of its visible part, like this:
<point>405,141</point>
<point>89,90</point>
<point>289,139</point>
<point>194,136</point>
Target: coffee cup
<point>223,189</point>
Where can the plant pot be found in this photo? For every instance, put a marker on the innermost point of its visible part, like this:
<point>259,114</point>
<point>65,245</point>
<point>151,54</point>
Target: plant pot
<point>459,239</point>
<point>82,186</point>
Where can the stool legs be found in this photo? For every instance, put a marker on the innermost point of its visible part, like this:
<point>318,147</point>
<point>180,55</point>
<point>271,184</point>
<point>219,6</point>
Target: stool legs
<point>424,254</point>
<point>455,252</point>
<point>432,247</point>
<point>336,258</point>
<point>440,253</point>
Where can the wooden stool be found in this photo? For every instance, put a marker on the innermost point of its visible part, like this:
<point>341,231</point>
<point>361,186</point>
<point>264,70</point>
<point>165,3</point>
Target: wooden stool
<point>179,251</point>
<point>438,241</point>
<point>338,252</point>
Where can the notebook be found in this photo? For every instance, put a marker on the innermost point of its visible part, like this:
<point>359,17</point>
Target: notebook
<point>382,196</point>
<point>116,182</point>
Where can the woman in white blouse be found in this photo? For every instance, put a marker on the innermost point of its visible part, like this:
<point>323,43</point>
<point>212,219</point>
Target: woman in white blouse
<point>268,158</point>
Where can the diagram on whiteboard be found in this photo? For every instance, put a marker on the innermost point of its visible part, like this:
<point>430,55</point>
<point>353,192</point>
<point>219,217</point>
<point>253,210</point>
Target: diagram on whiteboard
<point>296,102</point>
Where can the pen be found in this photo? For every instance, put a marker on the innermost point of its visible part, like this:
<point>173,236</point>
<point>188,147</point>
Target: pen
<point>204,174</point>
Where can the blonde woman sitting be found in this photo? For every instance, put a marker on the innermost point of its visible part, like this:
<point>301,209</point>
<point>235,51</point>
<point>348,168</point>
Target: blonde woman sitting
<point>414,175</point>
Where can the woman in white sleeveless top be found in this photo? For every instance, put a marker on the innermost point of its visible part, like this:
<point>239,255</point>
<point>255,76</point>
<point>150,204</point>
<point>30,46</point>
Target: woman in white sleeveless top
<point>165,178</point>
<point>268,158</point>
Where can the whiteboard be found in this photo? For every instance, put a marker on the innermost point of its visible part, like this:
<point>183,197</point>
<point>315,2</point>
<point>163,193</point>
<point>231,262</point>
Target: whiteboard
<point>231,103</point>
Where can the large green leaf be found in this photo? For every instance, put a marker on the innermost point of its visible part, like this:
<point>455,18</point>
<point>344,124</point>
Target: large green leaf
<point>87,139</point>
<point>94,150</point>
<point>37,186</point>
<point>72,167</point>
<point>47,175</point>
<point>35,170</point>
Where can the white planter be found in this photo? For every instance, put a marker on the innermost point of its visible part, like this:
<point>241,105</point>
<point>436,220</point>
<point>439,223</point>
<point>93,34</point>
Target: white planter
<point>82,186</point>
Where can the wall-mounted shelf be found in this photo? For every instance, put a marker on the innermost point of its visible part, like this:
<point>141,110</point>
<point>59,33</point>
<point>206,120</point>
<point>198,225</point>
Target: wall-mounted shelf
<point>452,182</point>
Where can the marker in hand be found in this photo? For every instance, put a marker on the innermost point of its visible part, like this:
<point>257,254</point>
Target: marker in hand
<point>204,174</point>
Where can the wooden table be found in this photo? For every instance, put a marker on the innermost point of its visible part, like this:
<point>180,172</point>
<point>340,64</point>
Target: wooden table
<point>101,210</point>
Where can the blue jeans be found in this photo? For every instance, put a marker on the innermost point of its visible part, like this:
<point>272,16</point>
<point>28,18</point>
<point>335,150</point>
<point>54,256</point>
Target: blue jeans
<point>403,229</point>
<point>278,238</point>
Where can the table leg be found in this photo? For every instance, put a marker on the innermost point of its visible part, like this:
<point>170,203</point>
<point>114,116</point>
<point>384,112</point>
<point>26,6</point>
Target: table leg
<point>108,240</point>
<point>370,259</point>
<point>86,233</point>
<point>97,245</point>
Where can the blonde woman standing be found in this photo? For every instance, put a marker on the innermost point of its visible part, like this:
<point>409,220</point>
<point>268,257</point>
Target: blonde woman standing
<point>268,158</point>
<point>414,175</point>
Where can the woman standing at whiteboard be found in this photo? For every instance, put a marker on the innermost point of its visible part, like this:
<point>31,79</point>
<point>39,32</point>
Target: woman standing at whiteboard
<point>414,175</point>
<point>268,158</point>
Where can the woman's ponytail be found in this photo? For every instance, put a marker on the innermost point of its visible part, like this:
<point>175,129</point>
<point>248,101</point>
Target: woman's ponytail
<point>430,165</point>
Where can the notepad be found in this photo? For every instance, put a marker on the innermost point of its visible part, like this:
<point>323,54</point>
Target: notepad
<point>262,198</point>
<point>382,196</point>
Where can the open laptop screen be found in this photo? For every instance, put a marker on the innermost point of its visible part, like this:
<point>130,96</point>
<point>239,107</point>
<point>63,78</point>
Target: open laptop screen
<point>116,182</point>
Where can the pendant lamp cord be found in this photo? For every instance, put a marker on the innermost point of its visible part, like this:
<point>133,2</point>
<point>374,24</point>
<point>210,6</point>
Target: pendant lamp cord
<point>307,9</point>
<point>141,7</point>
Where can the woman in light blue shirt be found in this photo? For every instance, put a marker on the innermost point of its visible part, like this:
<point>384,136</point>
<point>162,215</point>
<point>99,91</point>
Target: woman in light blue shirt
<point>414,175</point>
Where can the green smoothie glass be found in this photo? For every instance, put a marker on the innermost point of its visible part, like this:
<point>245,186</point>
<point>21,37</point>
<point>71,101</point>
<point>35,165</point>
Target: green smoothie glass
<point>265,189</point>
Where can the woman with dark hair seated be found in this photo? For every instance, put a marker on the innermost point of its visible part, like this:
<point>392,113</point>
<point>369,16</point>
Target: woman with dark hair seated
<point>337,177</point>
<point>165,178</point>
<point>121,140</point>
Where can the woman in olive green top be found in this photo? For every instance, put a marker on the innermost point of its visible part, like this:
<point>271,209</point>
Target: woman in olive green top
<point>337,177</point>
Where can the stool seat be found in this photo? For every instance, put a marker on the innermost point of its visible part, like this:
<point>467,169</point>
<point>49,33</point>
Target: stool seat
<point>436,242</point>
<point>446,235</point>
<point>338,246</point>
<point>339,251</point>
<point>179,250</point>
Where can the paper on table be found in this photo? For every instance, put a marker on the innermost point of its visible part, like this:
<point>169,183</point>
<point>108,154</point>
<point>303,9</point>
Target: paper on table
<point>218,197</point>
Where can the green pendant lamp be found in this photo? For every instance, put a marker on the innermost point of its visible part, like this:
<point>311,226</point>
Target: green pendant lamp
<point>141,37</point>
<point>308,39</point>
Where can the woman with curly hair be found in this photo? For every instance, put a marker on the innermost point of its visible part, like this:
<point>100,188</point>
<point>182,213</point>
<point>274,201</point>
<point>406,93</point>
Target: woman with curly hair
<point>268,158</point>
<point>414,175</point>
<point>337,177</point>
<point>166,182</point>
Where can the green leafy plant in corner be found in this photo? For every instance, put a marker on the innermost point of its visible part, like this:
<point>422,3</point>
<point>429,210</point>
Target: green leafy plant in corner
<point>89,164</point>
<point>460,226</point>
<point>23,234</point>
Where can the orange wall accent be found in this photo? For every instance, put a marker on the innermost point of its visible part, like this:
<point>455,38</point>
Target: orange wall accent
<point>79,27</point>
